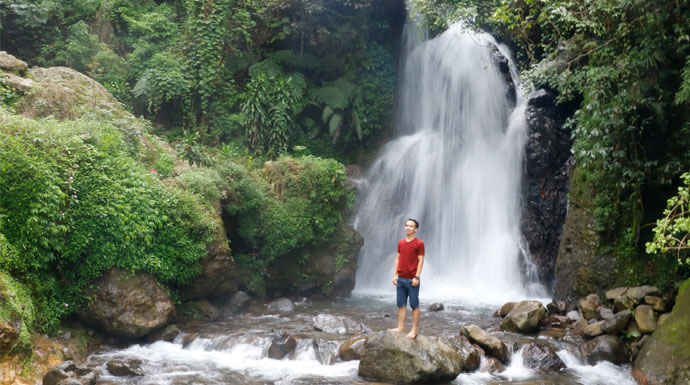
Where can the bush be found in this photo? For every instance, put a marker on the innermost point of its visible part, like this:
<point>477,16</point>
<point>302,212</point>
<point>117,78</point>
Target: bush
<point>74,203</point>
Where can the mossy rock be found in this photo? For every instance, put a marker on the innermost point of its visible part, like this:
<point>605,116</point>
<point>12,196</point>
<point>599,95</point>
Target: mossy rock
<point>665,357</point>
<point>16,312</point>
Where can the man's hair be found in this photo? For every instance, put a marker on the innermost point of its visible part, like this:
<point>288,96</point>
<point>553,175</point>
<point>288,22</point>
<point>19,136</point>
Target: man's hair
<point>416,224</point>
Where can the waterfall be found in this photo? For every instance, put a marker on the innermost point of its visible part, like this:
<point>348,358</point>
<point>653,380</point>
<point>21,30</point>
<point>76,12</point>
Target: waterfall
<point>455,164</point>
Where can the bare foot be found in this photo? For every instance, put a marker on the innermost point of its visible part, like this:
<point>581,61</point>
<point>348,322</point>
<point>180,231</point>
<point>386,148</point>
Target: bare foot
<point>397,330</point>
<point>412,334</point>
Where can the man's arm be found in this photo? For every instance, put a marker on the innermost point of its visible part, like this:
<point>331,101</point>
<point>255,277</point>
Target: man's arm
<point>420,264</point>
<point>395,270</point>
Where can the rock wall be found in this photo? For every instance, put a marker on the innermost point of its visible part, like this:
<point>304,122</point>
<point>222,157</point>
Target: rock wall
<point>545,180</point>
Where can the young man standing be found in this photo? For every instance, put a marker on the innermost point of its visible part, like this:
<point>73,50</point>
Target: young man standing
<point>408,268</point>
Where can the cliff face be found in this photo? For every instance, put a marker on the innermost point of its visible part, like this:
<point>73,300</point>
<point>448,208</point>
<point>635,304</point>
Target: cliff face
<point>545,181</point>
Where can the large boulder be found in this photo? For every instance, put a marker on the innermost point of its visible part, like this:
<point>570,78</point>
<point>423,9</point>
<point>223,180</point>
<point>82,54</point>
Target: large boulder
<point>645,318</point>
<point>393,357</point>
<point>491,344</point>
<point>328,323</point>
<point>581,268</point>
<point>665,358</point>
<point>470,354</point>
<point>10,63</point>
<point>628,297</point>
<point>128,305</point>
<point>539,356</point>
<point>589,306</point>
<point>617,323</point>
<point>524,317</point>
<point>330,271</point>
<point>545,191</point>
<point>603,348</point>
<point>219,275</point>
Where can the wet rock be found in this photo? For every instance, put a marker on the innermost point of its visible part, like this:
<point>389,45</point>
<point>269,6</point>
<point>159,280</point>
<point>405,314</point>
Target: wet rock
<point>125,368</point>
<point>525,317</point>
<point>239,301</point>
<point>352,349</point>
<point>589,306</point>
<point>605,313</point>
<point>505,309</point>
<point>557,321</point>
<point>536,356</point>
<point>281,346</point>
<point>12,64</point>
<point>128,305</point>
<point>338,325</point>
<point>594,329</point>
<point>665,358</point>
<point>491,344</point>
<point>557,307</point>
<point>556,333</point>
<point>436,307</point>
<point>645,318</point>
<point>57,374</point>
<point>492,365</point>
<point>201,310</point>
<point>281,305</point>
<point>9,335</point>
<point>220,276</point>
<point>617,323</point>
<point>395,358</point>
<point>168,334</point>
<point>579,327</point>
<point>545,190</point>
<point>603,348</point>
<point>67,373</point>
<point>503,65</point>
<point>657,303</point>
<point>471,356</point>
<point>636,346</point>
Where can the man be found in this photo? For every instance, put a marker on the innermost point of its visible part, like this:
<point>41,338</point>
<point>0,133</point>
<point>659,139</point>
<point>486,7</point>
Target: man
<point>408,268</point>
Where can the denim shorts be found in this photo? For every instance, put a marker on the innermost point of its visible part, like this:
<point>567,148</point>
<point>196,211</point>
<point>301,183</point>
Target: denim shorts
<point>404,290</point>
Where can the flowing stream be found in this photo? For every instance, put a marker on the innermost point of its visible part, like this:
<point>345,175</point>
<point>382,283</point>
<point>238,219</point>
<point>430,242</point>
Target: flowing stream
<point>455,165</point>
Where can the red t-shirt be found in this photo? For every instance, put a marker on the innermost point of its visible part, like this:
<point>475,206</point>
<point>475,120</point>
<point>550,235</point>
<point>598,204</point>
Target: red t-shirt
<point>409,257</point>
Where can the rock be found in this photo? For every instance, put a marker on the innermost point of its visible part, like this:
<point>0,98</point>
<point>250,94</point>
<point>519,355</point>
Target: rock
<point>127,305</point>
<point>636,346</point>
<point>506,308</point>
<point>603,348</point>
<point>469,353</point>
<point>201,310</point>
<point>281,305</point>
<point>557,321</point>
<point>219,276</point>
<point>545,175</point>
<point>338,325</point>
<point>503,65</point>
<point>58,373</point>
<point>239,300</point>
<point>662,318</point>
<point>436,307</point>
<point>665,358</point>
<point>125,368</point>
<point>281,346</point>
<point>168,334</point>
<point>619,321</point>
<point>574,315</point>
<point>352,349</point>
<point>492,365</point>
<point>491,344</point>
<point>12,64</point>
<point>593,329</point>
<point>557,307</point>
<point>17,82</point>
<point>579,327</point>
<point>9,335</point>
<point>581,268</point>
<point>605,313</point>
<point>628,297</point>
<point>524,317</point>
<point>589,306</point>
<point>645,318</point>
<point>67,373</point>
<point>536,356</point>
<point>632,331</point>
<point>657,303</point>
<point>393,357</point>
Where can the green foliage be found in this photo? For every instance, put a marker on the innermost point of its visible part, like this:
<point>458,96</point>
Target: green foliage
<point>8,95</point>
<point>165,81</point>
<point>672,231</point>
<point>76,50</point>
<point>16,304</point>
<point>270,107</point>
<point>74,203</point>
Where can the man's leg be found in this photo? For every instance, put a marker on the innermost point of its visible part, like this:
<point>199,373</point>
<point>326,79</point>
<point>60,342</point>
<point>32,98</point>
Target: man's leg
<point>414,303</point>
<point>401,301</point>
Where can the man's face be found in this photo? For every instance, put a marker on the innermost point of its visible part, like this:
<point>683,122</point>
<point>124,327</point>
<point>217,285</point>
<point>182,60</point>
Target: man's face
<point>410,228</point>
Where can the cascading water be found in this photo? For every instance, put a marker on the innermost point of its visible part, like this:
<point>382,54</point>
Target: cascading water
<point>456,166</point>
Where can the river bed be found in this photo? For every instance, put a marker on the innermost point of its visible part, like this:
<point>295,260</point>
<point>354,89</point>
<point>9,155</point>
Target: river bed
<point>234,350</point>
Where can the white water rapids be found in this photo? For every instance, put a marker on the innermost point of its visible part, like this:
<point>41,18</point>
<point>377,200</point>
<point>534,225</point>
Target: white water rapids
<point>456,166</point>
